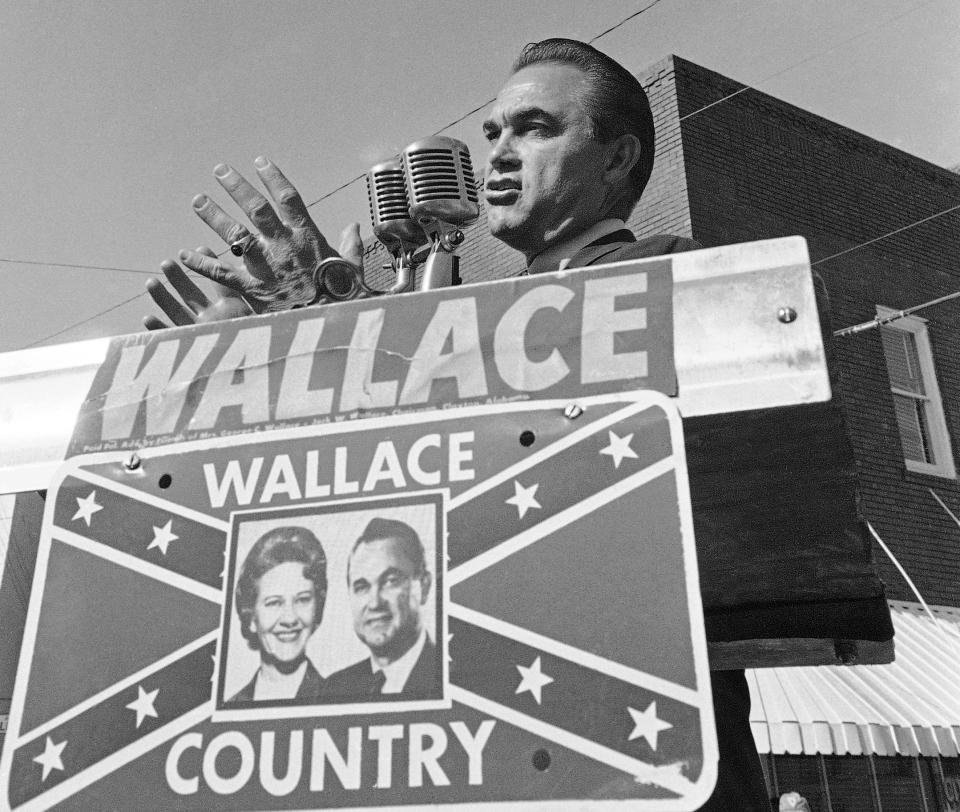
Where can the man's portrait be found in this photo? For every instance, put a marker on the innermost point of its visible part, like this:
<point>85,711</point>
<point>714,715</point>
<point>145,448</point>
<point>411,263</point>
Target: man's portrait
<point>389,584</point>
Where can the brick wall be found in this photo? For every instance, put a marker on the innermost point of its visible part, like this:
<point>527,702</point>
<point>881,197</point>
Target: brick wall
<point>664,208</point>
<point>758,168</point>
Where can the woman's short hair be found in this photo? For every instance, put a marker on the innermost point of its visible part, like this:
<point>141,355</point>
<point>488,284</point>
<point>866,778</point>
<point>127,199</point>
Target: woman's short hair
<point>282,545</point>
<point>616,102</point>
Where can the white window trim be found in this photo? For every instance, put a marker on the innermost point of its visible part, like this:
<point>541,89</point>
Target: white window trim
<point>936,420</point>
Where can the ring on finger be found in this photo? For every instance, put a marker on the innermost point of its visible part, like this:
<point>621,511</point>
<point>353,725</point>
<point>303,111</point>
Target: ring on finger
<point>243,245</point>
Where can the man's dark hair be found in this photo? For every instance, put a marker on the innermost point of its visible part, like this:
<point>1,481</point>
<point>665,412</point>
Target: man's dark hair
<point>616,102</point>
<point>379,529</point>
<point>281,545</point>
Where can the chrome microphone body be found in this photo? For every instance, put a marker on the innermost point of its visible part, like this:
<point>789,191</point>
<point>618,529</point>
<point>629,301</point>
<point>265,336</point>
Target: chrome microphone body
<point>443,198</point>
<point>390,208</point>
<point>440,183</point>
<point>392,224</point>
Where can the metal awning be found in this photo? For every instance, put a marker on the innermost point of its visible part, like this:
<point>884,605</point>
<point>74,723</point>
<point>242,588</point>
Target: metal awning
<point>910,707</point>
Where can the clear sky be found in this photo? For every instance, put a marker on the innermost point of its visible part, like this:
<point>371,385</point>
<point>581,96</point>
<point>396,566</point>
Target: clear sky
<point>116,111</point>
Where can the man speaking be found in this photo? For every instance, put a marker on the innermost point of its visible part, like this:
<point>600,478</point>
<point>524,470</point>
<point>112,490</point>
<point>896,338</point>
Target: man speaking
<point>571,140</point>
<point>389,583</point>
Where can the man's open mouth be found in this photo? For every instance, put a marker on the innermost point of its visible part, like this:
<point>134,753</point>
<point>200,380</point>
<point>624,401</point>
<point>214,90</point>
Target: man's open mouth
<point>501,192</point>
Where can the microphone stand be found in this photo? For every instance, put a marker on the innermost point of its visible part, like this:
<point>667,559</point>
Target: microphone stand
<point>405,267</point>
<point>442,267</point>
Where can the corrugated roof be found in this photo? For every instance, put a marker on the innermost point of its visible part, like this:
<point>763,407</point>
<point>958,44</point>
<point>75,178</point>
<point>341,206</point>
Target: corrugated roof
<point>909,707</point>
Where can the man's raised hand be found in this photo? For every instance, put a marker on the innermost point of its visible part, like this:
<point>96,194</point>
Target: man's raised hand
<point>196,306</point>
<point>276,269</point>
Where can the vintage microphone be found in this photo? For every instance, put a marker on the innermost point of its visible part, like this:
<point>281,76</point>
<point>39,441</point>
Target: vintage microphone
<point>340,280</point>
<point>392,224</point>
<point>425,197</point>
<point>443,198</point>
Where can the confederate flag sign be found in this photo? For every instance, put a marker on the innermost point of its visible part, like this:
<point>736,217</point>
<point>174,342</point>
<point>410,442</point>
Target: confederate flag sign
<point>496,605</point>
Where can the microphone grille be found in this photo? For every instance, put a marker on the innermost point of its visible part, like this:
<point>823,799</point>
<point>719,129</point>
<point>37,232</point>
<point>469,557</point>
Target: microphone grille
<point>390,207</point>
<point>387,192</point>
<point>440,180</point>
<point>467,168</point>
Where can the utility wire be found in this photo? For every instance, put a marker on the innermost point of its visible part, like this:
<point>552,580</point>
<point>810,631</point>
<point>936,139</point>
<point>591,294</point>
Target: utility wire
<point>888,234</point>
<point>807,59</point>
<point>623,21</point>
<point>880,321</point>
<point>320,199</point>
<point>83,321</point>
<point>332,192</point>
<point>73,265</point>
<point>480,107</point>
<point>832,256</point>
<point>476,109</point>
<point>940,628</point>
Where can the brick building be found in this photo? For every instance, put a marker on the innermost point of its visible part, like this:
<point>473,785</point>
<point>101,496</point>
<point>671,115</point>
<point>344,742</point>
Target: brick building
<point>758,168</point>
<point>735,165</point>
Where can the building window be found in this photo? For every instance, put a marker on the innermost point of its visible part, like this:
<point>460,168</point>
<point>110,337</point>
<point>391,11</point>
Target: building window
<point>801,774</point>
<point>916,396</point>
<point>850,782</point>
<point>866,783</point>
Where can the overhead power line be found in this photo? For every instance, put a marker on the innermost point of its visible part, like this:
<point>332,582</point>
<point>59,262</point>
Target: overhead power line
<point>320,199</point>
<point>82,321</point>
<point>479,107</point>
<point>846,251</point>
<point>888,234</point>
<point>623,22</point>
<point>74,265</point>
<point>488,102</point>
<point>810,58</point>
<point>881,321</point>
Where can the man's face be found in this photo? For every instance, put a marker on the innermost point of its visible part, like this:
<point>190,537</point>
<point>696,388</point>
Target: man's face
<point>544,172</point>
<point>385,597</point>
<point>285,613</point>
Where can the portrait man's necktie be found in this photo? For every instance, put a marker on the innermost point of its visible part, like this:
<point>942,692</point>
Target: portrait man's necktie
<point>379,680</point>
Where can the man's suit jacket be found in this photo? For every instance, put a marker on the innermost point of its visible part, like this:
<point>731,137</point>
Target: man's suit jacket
<point>621,245</point>
<point>310,691</point>
<point>356,683</point>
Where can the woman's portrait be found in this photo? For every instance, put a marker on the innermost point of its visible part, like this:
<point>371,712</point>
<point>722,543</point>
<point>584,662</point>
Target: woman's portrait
<point>280,593</point>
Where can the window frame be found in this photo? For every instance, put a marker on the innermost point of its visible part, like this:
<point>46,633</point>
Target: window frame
<point>935,418</point>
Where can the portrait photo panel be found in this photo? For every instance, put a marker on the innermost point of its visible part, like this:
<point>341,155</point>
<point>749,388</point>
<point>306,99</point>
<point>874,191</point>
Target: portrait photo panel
<point>285,627</point>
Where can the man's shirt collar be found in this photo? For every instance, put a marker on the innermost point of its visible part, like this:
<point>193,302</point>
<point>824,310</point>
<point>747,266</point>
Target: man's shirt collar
<point>557,257</point>
<point>399,670</point>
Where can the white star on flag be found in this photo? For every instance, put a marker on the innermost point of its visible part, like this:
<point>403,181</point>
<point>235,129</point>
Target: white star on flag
<point>524,498</point>
<point>87,507</point>
<point>619,448</point>
<point>533,680</point>
<point>162,536</point>
<point>143,704</point>
<point>50,757</point>
<point>647,724</point>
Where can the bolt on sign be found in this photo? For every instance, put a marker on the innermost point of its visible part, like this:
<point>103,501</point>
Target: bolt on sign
<point>494,606</point>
